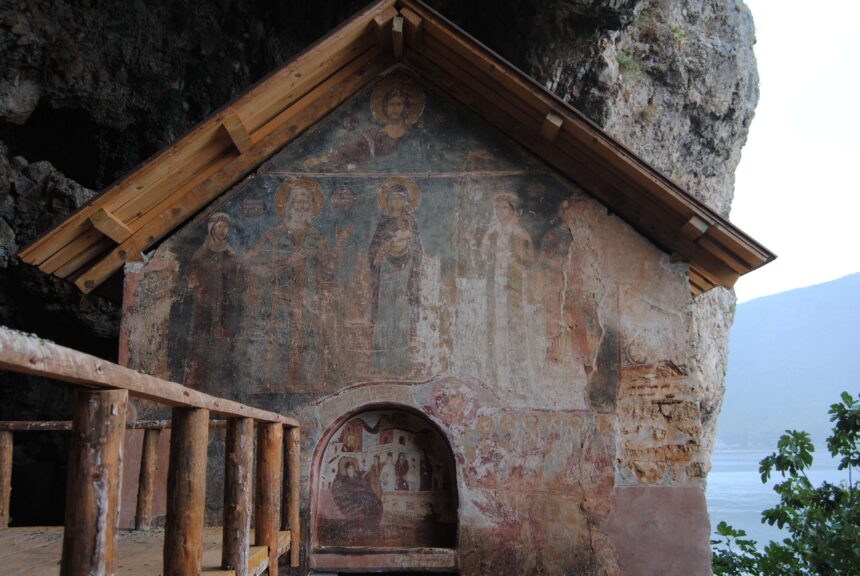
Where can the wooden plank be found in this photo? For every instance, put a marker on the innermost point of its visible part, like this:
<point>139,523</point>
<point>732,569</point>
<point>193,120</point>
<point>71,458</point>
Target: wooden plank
<point>414,28</point>
<point>550,127</point>
<point>748,250</point>
<point>383,22</point>
<point>68,260</point>
<point>292,122</point>
<point>186,492</point>
<point>36,426</point>
<point>267,505</point>
<point>473,77</point>
<point>65,425</point>
<point>285,540</point>
<point>265,101</point>
<point>694,227</point>
<point>397,36</point>
<point>258,560</point>
<point>189,149</point>
<point>731,260</point>
<point>238,488</point>
<point>6,447</point>
<point>28,354</point>
<point>86,240</point>
<point>110,225</point>
<point>236,130</point>
<point>92,488</point>
<point>292,520</point>
<point>146,479</point>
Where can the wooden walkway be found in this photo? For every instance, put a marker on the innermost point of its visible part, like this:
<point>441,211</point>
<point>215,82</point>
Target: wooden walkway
<point>37,550</point>
<point>265,487</point>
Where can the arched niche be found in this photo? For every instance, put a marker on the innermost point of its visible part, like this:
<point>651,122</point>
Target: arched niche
<point>384,478</point>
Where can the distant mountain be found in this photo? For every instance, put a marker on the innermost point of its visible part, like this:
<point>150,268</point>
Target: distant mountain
<point>790,356</point>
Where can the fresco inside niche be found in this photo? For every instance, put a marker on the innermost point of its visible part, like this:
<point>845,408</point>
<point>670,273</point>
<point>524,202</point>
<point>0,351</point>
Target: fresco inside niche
<point>386,478</point>
<point>399,239</point>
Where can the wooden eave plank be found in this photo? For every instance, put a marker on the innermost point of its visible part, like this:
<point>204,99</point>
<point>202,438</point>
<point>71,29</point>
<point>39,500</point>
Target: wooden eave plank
<point>292,122</point>
<point>285,85</point>
<point>110,225</point>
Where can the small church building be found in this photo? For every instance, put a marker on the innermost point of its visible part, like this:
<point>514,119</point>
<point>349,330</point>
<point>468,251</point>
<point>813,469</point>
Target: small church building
<point>476,302</point>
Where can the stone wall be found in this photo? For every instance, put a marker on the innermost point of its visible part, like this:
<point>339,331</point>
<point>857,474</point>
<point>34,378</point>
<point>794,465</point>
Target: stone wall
<point>403,255</point>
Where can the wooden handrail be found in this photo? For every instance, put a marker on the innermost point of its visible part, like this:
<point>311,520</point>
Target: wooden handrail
<point>66,425</point>
<point>98,431</point>
<point>29,354</point>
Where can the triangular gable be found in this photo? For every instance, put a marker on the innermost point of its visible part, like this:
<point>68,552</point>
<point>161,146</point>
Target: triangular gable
<point>173,186</point>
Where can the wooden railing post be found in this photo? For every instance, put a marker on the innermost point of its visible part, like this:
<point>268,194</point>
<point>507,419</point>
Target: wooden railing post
<point>5,476</point>
<point>238,490</point>
<point>95,462</point>
<point>146,479</point>
<point>186,492</point>
<point>267,508</point>
<point>291,486</point>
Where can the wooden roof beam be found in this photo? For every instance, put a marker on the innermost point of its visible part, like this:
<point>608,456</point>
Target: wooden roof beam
<point>414,28</point>
<point>289,124</point>
<point>551,126</point>
<point>397,36</point>
<point>237,132</point>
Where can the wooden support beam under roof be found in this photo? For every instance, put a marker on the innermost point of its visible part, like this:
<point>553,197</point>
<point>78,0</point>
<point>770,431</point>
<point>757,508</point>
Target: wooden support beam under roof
<point>173,186</point>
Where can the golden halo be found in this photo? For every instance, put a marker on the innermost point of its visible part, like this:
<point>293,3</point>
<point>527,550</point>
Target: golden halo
<point>282,196</point>
<point>408,88</point>
<point>512,199</point>
<point>413,194</point>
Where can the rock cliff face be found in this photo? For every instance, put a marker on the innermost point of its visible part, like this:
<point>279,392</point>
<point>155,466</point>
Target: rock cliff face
<point>89,91</point>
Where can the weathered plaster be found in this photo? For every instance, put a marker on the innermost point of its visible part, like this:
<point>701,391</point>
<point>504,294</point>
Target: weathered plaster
<point>402,253</point>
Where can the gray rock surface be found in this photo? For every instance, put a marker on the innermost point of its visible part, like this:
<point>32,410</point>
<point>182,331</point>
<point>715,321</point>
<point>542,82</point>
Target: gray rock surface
<point>95,88</point>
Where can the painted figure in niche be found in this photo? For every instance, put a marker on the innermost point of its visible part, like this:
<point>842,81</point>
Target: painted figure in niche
<point>284,298</point>
<point>508,252</point>
<point>567,267</point>
<point>354,496</point>
<point>397,103</point>
<point>414,512</point>
<point>212,280</point>
<point>387,474</point>
<point>426,472</point>
<point>395,264</point>
<point>401,468</point>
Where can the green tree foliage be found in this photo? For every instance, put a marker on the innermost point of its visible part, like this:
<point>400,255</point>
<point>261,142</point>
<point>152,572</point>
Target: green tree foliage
<point>823,522</point>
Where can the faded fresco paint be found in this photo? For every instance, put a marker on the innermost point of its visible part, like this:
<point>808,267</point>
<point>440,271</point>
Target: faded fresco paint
<point>386,479</point>
<point>403,253</point>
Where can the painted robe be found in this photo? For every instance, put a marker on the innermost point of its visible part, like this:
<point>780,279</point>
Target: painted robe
<point>395,269</point>
<point>283,309</point>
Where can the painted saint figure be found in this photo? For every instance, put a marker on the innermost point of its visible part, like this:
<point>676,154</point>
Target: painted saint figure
<point>508,253</point>
<point>354,496</point>
<point>283,302</point>
<point>395,264</point>
<point>212,280</point>
<point>397,103</point>
<point>573,330</point>
<point>401,468</point>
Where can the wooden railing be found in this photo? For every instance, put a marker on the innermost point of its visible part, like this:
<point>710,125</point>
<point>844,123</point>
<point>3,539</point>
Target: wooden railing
<point>98,427</point>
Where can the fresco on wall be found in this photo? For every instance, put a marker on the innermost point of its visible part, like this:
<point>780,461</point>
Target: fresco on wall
<point>398,239</point>
<point>386,478</point>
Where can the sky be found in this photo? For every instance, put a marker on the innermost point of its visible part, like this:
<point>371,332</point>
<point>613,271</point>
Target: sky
<point>797,188</point>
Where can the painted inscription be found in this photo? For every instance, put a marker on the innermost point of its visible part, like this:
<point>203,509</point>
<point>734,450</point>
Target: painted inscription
<point>386,478</point>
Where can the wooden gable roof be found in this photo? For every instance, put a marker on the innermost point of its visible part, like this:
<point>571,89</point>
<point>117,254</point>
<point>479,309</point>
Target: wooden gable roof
<point>171,187</point>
